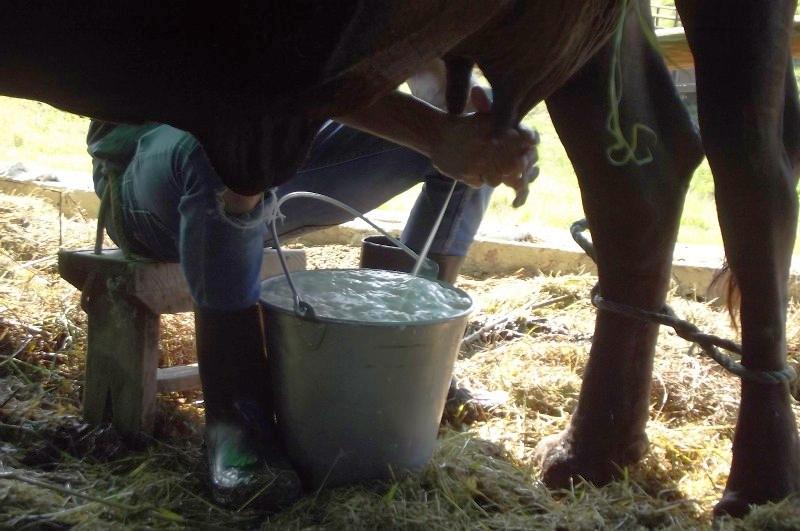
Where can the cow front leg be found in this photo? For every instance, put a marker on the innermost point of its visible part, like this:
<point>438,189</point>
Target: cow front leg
<point>633,212</point>
<point>749,122</point>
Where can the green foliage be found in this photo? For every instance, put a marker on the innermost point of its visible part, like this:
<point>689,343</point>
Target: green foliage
<point>37,134</point>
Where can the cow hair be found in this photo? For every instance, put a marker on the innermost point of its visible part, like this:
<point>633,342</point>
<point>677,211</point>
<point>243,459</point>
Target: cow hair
<point>726,280</point>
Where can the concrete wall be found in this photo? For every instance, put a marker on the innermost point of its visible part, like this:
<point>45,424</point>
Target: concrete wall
<point>73,202</point>
<point>693,270</point>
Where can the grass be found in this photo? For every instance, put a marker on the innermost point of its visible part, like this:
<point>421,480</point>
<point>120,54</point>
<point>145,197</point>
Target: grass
<point>37,134</point>
<point>56,472</point>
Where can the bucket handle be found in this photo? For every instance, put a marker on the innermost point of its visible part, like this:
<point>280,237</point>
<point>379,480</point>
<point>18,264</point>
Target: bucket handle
<point>301,307</point>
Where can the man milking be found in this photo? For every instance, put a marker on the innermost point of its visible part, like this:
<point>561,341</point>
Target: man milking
<point>175,208</point>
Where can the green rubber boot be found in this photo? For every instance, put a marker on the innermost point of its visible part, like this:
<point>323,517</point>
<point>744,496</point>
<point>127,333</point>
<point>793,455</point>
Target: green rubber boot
<point>246,463</point>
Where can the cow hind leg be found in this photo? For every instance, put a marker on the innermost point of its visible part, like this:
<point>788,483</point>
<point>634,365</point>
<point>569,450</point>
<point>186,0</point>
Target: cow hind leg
<point>633,212</point>
<point>749,129</point>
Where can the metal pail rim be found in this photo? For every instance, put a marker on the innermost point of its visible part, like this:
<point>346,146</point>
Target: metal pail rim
<point>332,320</point>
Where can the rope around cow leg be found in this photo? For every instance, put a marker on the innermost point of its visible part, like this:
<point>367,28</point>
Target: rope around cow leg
<point>686,330</point>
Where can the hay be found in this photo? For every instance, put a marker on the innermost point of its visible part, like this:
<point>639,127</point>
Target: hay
<point>57,472</point>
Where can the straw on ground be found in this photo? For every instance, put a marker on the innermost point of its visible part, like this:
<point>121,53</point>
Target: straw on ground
<point>56,471</point>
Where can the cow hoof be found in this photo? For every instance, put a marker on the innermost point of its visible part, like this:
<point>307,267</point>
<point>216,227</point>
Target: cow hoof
<point>738,503</point>
<point>766,452</point>
<point>561,465</point>
<point>744,492</point>
<point>732,504</point>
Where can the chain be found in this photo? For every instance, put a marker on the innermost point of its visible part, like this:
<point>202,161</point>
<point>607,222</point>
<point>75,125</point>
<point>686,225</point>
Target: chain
<point>710,344</point>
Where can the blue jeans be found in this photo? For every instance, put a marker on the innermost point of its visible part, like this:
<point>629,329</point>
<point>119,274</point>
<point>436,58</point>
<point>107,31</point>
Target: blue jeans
<point>173,211</point>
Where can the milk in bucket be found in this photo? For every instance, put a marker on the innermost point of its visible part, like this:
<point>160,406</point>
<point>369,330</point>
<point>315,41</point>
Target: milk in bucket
<point>369,295</point>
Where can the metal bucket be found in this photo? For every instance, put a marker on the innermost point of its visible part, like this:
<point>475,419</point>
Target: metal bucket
<point>355,400</point>
<point>358,401</point>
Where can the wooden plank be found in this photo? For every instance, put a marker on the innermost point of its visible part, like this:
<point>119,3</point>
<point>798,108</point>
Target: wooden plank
<point>673,45</point>
<point>160,286</point>
<point>75,266</point>
<point>163,288</point>
<point>178,378</point>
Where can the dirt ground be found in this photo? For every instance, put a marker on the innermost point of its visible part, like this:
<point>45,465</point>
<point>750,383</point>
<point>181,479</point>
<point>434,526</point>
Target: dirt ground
<point>57,472</point>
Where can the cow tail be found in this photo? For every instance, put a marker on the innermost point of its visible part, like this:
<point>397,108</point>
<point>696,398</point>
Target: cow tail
<point>734,297</point>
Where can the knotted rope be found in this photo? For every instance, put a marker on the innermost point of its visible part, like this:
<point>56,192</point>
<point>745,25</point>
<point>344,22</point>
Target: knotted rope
<point>710,344</point>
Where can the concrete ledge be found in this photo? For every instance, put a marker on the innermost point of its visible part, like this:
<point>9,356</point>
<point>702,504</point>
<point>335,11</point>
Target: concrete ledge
<point>693,270</point>
<point>73,202</point>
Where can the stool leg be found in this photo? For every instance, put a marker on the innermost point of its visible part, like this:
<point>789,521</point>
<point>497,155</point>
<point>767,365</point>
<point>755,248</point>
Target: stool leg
<point>121,359</point>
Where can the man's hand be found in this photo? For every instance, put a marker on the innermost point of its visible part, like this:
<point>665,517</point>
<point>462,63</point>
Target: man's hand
<point>467,147</point>
<point>470,150</point>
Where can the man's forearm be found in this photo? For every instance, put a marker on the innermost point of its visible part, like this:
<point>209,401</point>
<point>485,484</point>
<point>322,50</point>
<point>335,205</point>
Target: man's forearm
<point>465,147</point>
<point>402,119</point>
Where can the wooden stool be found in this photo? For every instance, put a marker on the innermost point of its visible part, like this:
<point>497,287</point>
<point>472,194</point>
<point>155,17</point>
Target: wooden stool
<point>123,300</point>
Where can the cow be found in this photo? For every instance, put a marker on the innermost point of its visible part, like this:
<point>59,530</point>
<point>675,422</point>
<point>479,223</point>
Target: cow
<point>252,80</point>
<point>750,124</point>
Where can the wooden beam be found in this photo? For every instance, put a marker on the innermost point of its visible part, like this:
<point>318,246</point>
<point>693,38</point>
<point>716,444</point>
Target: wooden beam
<point>178,378</point>
<point>673,45</point>
<point>121,359</point>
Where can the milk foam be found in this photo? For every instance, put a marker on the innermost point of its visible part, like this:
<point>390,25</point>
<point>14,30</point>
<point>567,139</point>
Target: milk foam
<point>367,295</point>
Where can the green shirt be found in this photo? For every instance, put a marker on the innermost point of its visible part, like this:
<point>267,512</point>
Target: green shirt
<point>112,147</point>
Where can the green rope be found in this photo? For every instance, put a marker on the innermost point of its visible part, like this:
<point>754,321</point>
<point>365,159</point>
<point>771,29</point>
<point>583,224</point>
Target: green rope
<point>102,221</point>
<point>623,150</point>
<point>114,184</point>
<point>111,211</point>
<point>710,344</point>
